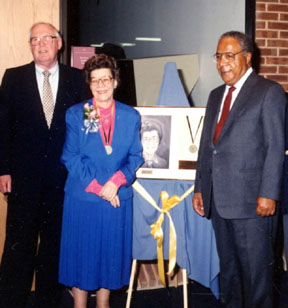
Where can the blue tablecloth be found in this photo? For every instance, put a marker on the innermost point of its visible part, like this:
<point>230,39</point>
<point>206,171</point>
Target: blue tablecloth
<point>196,246</point>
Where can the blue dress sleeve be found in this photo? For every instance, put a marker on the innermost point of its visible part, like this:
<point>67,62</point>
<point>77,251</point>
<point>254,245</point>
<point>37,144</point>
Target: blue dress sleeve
<point>78,164</point>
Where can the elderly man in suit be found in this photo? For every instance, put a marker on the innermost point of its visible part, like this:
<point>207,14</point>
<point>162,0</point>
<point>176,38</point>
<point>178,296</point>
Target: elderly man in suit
<point>34,99</point>
<point>285,191</point>
<point>239,172</point>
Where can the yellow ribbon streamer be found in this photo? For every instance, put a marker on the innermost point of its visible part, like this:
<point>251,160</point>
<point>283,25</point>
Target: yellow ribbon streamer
<point>157,232</point>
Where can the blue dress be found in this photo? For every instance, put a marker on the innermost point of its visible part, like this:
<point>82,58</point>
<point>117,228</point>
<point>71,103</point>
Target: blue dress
<point>96,241</point>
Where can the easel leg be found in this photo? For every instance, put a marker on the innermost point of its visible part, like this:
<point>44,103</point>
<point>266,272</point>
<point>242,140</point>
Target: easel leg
<point>185,285</point>
<point>131,283</point>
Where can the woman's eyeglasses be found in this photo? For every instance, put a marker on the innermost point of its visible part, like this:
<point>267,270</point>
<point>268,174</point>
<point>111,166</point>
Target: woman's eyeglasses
<point>106,81</point>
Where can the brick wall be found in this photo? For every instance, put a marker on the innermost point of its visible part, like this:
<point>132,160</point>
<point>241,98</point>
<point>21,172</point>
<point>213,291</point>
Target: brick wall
<point>272,39</point>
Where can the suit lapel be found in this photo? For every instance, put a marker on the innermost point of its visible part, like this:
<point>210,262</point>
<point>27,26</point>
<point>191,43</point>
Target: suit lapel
<point>240,103</point>
<point>60,97</point>
<point>64,100</point>
<point>118,132</point>
<point>94,140</point>
<point>116,124</point>
<point>215,109</point>
<point>34,96</point>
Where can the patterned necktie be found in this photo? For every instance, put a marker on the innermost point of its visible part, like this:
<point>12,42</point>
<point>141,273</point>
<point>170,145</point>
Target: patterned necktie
<point>224,114</point>
<point>47,99</point>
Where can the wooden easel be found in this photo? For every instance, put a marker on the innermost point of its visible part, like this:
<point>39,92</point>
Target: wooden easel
<point>132,278</point>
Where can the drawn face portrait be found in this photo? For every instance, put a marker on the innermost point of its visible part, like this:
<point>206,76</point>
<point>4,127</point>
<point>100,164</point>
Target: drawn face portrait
<point>150,142</point>
<point>154,139</point>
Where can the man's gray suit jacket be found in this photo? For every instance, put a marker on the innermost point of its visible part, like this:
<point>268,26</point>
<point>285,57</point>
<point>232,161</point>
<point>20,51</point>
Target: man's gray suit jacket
<point>247,161</point>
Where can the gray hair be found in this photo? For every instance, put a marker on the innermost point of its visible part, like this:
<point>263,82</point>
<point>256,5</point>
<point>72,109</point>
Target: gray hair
<point>243,39</point>
<point>43,23</point>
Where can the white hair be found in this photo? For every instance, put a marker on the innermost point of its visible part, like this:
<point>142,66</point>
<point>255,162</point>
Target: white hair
<point>43,23</point>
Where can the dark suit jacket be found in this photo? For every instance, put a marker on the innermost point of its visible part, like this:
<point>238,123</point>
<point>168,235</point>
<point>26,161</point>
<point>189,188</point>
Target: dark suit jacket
<point>247,160</point>
<point>29,151</point>
<point>285,177</point>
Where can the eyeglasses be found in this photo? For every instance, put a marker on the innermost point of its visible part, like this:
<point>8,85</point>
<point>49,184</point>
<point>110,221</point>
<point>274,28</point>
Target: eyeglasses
<point>106,81</point>
<point>227,56</point>
<point>34,41</point>
<point>153,139</point>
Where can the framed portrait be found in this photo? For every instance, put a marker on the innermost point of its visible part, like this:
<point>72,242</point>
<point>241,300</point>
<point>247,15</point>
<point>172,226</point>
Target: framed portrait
<point>170,137</point>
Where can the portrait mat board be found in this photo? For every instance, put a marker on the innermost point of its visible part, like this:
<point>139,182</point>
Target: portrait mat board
<point>177,152</point>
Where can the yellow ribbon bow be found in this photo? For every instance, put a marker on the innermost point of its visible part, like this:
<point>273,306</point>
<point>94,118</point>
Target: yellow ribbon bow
<point>157,232</point>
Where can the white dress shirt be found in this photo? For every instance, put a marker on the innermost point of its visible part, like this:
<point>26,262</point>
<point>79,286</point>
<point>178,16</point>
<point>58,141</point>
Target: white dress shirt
<point>53,80</point>
<point>238,85</point>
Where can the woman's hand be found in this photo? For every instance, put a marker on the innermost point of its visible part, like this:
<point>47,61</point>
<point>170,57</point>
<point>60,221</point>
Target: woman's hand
<point>109,191</point>
<point>115,202</point>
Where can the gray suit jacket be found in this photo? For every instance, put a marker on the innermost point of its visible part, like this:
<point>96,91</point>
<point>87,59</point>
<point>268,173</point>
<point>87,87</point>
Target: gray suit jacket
<point>247,161</point>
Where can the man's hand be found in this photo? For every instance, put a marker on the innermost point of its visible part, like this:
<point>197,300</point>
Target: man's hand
<point>5,183</point>
<point>198,204</point>
<point>265,206</point>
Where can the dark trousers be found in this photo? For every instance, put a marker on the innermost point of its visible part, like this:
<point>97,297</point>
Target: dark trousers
<point>28,221</point>
<point>246,253</point>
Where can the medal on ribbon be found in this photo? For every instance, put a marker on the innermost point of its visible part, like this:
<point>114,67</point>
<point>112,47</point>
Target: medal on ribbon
<point>193,147</point>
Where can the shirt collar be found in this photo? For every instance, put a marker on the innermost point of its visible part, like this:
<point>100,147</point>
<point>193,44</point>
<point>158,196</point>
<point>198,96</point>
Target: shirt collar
<point>53,70</point>
<point>238,85</point>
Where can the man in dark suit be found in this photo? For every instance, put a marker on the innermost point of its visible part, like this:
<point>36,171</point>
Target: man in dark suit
<point>239,170</point>
<point>31,175</point>
<point>285,191</point>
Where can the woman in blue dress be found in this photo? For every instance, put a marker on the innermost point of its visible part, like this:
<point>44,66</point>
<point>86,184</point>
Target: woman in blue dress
<point>102,152</point>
